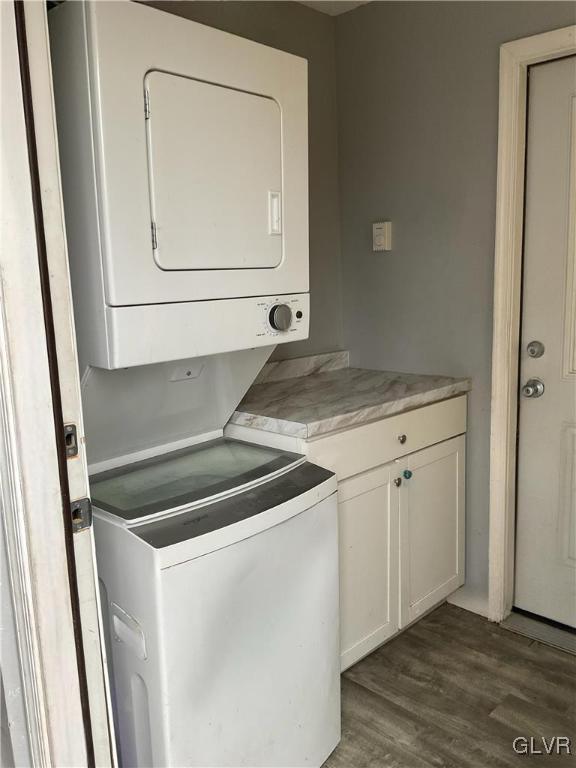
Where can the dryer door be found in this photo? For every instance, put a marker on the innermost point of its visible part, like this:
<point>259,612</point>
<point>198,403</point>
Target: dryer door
<point>215,170</point>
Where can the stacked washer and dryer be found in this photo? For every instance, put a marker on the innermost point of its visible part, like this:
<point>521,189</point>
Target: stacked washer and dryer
<point>184,166</point>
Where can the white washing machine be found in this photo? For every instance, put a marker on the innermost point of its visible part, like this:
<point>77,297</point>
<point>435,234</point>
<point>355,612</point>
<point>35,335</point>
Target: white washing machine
<point>219,575</point>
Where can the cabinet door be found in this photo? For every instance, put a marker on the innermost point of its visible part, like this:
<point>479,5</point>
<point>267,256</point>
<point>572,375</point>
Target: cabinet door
<point>431,519</point>
<point>368,520</point>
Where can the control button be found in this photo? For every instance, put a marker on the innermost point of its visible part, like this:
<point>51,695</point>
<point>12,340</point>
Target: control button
<point>280,317</point>
<point>299,314</point>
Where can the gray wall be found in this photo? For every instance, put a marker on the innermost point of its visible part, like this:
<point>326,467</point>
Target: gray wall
<point>418,108</point>
<point>304,32</point>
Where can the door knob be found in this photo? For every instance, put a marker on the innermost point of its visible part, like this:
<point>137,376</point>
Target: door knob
<point>535,349</point>
<point>407,474</point>
<point>533,388</point>
<point>401,439</point>
<point>398,482</point>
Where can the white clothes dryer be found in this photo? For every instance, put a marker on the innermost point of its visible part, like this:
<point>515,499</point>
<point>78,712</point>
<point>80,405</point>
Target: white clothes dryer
<point>184,154</point>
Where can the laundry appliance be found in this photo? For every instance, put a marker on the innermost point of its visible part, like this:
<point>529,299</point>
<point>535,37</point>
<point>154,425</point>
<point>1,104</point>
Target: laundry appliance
<point>184,155</point>
<point>220,566</point>
<point>184,169</point>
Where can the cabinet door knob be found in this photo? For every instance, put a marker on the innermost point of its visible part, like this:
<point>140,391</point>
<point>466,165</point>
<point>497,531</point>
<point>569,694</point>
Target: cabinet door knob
<point>401,439</point>
<point>407,474</point>
<point>398,482</point>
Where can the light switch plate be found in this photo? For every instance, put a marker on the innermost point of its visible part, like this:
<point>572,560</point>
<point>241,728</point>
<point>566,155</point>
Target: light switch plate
<point>382,236</point>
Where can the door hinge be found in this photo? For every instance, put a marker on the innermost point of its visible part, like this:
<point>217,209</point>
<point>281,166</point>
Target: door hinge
<point>71,440</point>
<point>154,236</point>
<point>81,514</point>
<point>146,104</point>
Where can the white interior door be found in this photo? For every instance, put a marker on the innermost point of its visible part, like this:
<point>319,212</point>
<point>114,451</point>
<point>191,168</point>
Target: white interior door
<point>545,581</point>
<point>56,708</point>
<point>63,578</point>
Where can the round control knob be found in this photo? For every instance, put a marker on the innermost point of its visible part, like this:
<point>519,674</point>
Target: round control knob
<point>280,317</point>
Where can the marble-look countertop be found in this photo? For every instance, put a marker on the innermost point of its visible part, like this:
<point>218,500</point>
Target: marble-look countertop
<point>328,399</point>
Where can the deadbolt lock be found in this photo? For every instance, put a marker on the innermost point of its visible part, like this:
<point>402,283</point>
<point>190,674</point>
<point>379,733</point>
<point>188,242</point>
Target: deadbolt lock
<point>533,388</point>
<point>535,349</point>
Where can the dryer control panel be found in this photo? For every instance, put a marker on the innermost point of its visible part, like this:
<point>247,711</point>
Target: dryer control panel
<point>206,328</point>
<point>285,314</point>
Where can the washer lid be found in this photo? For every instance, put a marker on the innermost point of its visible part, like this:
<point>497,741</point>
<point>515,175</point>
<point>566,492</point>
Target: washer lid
<point>237,517</point>
<point>161,485</point>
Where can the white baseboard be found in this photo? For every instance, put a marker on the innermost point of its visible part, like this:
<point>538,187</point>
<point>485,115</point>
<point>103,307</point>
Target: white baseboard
<point>471,599</point>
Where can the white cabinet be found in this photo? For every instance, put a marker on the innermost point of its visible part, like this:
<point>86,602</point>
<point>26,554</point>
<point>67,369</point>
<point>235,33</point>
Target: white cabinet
<point>431,526</point>
<point>368,529</point>
<point>401,544</point>
<point>401,537</point>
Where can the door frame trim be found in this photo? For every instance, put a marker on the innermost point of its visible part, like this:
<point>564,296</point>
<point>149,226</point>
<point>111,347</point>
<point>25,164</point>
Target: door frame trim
<point>37,567</point>
<point>515,58</point>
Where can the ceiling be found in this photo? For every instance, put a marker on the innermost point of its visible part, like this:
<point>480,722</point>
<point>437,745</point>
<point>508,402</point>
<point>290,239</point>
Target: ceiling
<point>333,7</point>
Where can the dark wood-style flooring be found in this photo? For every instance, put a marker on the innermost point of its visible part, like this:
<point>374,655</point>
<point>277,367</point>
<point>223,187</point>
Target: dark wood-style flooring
<point>453,691</point>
